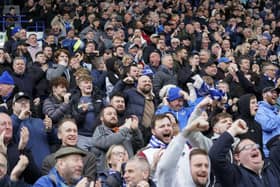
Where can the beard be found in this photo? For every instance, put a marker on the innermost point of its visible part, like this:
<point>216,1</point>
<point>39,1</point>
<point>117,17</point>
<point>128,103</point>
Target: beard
<point>110,124</point>
<point>146,90</point>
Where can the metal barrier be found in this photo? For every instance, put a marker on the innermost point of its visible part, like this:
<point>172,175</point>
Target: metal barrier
<point>37,26</point>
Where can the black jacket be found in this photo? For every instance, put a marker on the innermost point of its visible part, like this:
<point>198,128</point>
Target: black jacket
<point>255,131</point>
<point>231,175</point>
<point>80,115</point>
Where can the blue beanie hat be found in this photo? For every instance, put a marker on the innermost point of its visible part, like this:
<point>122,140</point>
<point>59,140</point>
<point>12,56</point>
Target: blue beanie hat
<point>6,78</point>
<point>15,30</point>
<point>173,94</point>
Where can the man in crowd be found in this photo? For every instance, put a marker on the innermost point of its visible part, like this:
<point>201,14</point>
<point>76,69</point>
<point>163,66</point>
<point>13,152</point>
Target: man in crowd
<point>67,171</point>
<point>86,105</point>
<point>175,103</point>
<point>57,105</point>
<point>250,164</point>
<point>179,166</point>
<point>162,135</point>
<point>68,134</point>
<point>137,173</point>
<point>118,102</point>
<point>31,173</point>
<point>268,117</point>
<point>141,102</point>
<point>110,132</point>
<point>40,139</point>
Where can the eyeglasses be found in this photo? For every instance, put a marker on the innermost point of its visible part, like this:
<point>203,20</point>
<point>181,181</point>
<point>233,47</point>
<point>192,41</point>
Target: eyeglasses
<point>248,147</point>
<point>271,69</point>
<point>118,153</point>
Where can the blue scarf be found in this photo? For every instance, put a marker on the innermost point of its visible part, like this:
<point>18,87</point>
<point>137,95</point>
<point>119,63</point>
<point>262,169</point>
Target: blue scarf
<point>156,143</point>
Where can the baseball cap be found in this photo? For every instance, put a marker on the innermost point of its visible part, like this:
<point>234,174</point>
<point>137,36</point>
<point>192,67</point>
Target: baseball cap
<point>154,36</point>
<point>224,59</point>
<point>270,88</point>
<point>20,95</point>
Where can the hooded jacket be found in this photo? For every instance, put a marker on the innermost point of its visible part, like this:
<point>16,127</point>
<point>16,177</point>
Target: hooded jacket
<point>255,131</point>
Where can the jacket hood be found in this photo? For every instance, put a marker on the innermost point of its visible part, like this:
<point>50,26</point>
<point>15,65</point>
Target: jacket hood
<point>244,105</point>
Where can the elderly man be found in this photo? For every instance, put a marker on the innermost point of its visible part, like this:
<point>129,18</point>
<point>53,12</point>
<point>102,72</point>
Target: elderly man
<point>67,171</point>
<point>68,134</point>
<point>251,168</point>
<point>31,174</point>
<point>40,139</point>
<point>7,85</point>
<point>13,179</point>
<point>137,171</point>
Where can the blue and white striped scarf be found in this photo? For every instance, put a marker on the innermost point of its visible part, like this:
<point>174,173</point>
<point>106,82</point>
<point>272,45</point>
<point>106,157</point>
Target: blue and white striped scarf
<point>156,143</point>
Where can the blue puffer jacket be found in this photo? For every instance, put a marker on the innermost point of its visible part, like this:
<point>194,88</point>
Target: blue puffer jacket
<point>53,179</point>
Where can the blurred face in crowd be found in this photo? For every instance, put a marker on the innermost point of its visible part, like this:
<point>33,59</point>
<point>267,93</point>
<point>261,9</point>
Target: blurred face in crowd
<point>19,66</point>
<point>134,173</point>
<point>154,59</point>
<point>118,155</point>
<point>226,45</point>
<point>86,87</point>
<point>204,56</point>
<point>177,104</point>
<point>270,71</point>
<point>253,106</point>
<point>222,125</point>
<point>144,84</point>
<point>134,72</point>
<point>63,57</point>
<point>120,51</point>
<point>90,48</point>
<point>68,133</point>
<point>270,97</point>
<point>48,52</point>
<point>70,168</point>
<point>161,45</point>
<point>22,34</point>
<point>118,103</point>
<point>50,39</point>
<point>59,91</point>
<point>6,125</point>
<point>109,117</point>
<point>167,60</point>
<point>163,130</point>
<point>194,60</point>
<point>249,155</point>
<point>32,39</point>
<point>199,165</point>
<point>74,63</point>
<point>41,58</point>
<point>245,65</point>
<point>211,70</point>
<point>21,105</point>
